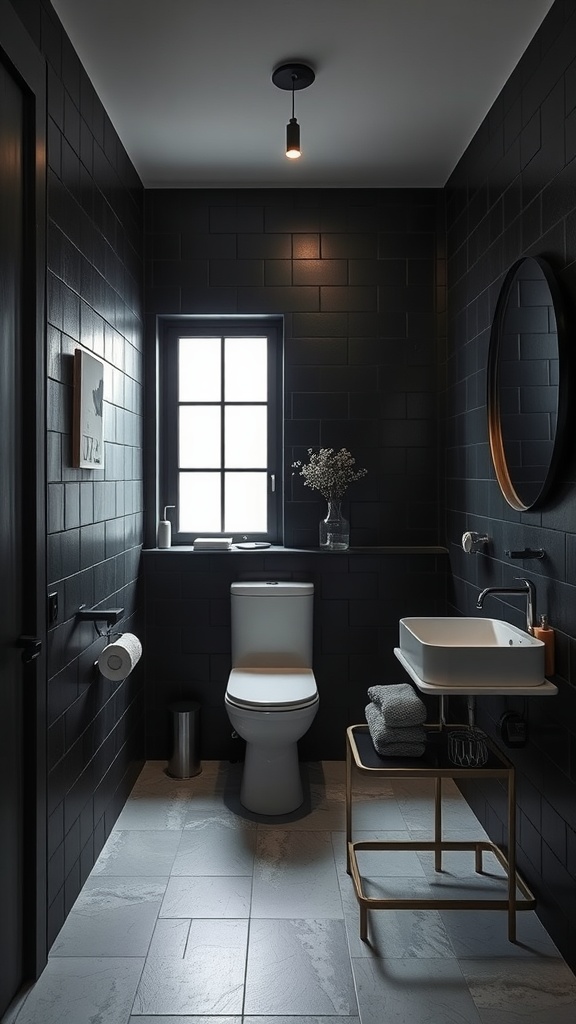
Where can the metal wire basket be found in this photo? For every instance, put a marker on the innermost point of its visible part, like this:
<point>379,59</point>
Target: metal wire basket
<point>467,748</point>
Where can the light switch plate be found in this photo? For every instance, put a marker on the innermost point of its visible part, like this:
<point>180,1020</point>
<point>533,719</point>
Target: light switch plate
<point>52,609</point>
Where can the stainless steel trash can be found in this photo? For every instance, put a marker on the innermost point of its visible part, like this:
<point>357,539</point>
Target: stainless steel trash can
<point>185,760</point>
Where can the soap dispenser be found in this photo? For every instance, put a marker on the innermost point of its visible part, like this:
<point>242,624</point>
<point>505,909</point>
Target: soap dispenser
<point>544,633</point>
<point>165,529</point>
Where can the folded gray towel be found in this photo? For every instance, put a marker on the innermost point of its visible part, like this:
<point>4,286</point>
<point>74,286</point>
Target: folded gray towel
<point>384,733</point>
<point>387,748</point>
<point>401,750</point>
<point>399,703</point>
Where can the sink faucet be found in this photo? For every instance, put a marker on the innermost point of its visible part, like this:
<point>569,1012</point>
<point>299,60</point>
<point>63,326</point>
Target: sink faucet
<point>529,592</point>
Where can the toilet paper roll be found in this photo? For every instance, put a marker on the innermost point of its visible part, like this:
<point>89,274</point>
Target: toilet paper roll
<point>118,659</point>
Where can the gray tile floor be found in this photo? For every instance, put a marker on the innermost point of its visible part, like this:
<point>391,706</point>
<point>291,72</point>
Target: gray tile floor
<point>196,911</point>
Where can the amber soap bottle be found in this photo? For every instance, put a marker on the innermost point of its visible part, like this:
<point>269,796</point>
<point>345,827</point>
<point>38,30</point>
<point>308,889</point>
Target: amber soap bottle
<point>544,633</point>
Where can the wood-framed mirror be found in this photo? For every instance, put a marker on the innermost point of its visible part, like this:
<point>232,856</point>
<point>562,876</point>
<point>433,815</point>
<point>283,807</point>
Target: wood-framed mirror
<point>528,383</point>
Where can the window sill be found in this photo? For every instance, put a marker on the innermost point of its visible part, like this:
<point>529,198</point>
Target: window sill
<point>278,550</point>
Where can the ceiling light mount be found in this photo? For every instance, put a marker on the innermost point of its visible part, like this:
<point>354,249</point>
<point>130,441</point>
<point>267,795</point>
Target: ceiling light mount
<point>293,77</point>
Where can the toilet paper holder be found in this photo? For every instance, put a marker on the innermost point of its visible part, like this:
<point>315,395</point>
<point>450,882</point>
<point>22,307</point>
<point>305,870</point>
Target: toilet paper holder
<point>473,542</point>
<point>108,615</point>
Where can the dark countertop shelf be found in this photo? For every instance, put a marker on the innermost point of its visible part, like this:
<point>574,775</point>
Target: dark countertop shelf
<point>278,550</point>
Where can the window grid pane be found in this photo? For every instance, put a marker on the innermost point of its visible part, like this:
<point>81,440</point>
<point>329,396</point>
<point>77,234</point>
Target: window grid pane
<point>200,503</point>
<point>245,370</point>
<point>199,370</point>
<point>199,442</point>
<point>245,502</point>
<point>245,437</point>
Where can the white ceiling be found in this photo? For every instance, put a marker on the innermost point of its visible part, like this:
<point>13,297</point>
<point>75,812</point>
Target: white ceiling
<point>401,85</point>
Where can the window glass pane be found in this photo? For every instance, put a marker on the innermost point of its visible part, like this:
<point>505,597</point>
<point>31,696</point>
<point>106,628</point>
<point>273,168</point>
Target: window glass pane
<point>199,437</point>
<point>245,502</point>
<point>245,370</point>
<point>199,503</point>
<point>245,439</point>
<point>199,370</point>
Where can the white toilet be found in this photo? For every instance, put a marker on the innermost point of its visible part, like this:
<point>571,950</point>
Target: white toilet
<point>271,696</point>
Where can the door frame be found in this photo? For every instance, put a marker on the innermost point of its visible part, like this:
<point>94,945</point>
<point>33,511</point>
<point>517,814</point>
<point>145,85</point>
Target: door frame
<point>22,58</point>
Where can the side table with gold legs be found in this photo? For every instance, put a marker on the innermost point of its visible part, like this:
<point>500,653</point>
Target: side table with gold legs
<point>362,757</point>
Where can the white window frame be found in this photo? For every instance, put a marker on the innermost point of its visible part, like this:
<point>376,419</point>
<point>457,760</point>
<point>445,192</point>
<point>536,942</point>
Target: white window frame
<point>170,331</point>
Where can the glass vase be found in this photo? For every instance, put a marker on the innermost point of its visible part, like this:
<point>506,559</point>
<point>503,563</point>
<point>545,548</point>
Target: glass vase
<point>334,529</point>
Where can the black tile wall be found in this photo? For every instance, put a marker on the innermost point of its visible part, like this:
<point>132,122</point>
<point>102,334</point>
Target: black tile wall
<point>359,598</point>
<point>94,289</point>
<point>512,195</point>
<point>358,277</point>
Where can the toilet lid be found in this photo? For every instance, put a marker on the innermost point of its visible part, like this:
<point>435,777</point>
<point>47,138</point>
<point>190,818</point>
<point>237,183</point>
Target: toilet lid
<point>272,687</point>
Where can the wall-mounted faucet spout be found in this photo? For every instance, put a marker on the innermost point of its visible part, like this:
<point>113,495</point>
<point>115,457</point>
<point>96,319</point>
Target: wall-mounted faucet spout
<point>528,591</point>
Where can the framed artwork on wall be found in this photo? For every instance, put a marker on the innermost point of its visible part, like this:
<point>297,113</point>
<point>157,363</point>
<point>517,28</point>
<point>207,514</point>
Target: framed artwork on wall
<point>88,407</point>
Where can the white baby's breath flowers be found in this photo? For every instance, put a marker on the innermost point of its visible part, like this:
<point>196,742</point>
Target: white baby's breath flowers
<point>329,472</point>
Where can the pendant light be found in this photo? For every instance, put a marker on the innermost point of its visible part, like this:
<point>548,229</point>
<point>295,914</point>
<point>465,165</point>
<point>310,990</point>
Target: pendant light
<point>292,77</point>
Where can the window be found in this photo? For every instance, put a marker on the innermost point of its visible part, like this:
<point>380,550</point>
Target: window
<point>222,430</point>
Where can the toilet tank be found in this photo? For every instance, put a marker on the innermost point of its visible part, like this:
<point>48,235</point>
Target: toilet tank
<point>272,624</point>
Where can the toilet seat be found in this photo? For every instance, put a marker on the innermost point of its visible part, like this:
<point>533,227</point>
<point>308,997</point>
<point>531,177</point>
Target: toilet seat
<point>272,689</point>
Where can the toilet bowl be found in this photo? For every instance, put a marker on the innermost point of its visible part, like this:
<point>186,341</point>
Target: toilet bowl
<point>271,697</point>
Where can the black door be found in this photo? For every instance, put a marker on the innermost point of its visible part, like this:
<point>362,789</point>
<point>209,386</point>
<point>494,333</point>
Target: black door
<point>21,479</point>
<point>11,665</point>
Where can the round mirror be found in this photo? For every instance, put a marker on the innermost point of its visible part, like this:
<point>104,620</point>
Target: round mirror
<point>527,383</point>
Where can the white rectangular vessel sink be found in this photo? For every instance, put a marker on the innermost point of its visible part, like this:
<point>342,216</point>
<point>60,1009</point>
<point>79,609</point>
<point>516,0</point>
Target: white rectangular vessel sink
<point>465,652</point>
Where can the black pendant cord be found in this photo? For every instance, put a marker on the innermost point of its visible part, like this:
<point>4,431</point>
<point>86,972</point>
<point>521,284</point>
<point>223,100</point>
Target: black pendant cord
<point>293,80</point>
